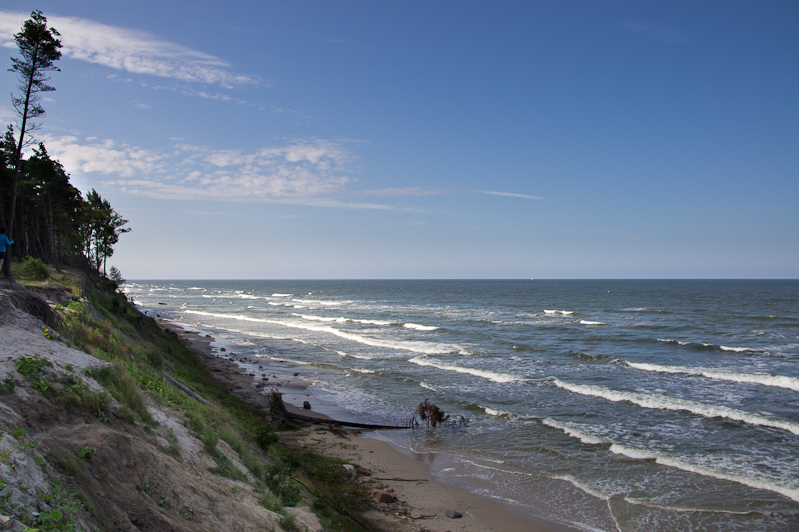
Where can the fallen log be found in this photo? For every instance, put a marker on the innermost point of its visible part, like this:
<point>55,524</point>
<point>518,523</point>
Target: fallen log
<point>355,424</point>
<point>187,391</point>
<point>279,413</point>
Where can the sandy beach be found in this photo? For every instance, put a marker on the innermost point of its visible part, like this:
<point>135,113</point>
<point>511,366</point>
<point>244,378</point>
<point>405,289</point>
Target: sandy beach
<point>422,503</point>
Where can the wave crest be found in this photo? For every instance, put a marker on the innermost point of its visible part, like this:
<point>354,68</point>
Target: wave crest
<point>664,402</point>
<point>763,379</point>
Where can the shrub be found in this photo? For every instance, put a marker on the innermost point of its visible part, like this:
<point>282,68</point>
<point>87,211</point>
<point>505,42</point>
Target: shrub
<point>34,269</point>
<point>116,276</point>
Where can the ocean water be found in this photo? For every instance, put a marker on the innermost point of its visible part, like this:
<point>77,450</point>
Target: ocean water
<point>602,405</point>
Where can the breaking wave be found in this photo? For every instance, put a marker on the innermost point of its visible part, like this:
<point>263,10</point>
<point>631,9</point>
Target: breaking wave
<point>664,402</point>
<point>485,374</point>
<point>780,381</point>
<point>792,492</point>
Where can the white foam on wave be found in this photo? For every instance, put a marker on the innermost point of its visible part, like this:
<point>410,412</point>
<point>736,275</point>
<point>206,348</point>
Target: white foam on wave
<point>321,318</point>
<point>650,504</point>
<point>561,312</point>
<point>427,386</point>
<point>282,295</point>
<point>678,342</point>
<point>736,349</point>
<point>791,492</point>
<point>359,357</point>
<point>780,381</point>
<point>289,360</point>
<point>586,322</point>
<point>374,322</point>
<point>714,346</point>
<point>485,374</point>
<point>635,453</point>
<point>412,346</point>
<point>361,370</point>
<point>574,432</point>
<point>418,327</point>
<point>582,486</point>
<point>664,402</point>
<point>341,319</point>
<point>497,413</point>
<point>320,302</point>
<point>219,295</point>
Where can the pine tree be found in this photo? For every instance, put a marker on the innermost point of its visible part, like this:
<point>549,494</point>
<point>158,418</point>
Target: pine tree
<point>101,229</point>
<point>39,48</point>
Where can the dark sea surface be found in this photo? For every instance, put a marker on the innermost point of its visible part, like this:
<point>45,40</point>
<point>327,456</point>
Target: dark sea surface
<point>604,405</point>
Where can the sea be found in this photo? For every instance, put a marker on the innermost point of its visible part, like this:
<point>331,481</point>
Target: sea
<point>602,405</point>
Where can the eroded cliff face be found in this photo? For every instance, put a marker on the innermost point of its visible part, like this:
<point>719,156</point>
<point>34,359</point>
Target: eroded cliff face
<point>72,458</point>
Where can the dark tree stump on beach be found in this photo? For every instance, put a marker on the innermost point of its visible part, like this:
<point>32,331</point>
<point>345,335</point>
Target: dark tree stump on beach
<point>277,410</point>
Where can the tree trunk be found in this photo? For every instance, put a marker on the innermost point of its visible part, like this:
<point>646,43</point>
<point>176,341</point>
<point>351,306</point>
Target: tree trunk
<point>51,234</point>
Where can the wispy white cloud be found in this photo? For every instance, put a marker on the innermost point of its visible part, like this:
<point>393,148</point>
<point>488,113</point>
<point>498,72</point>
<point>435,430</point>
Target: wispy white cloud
<point>301,116</point>
<point>511,194</point>
<point>103,156</point>
<point>306,171</point>
<point>131,51</point>
<point>655,33</point>
<point>314,172</point>
<point>405,191</point>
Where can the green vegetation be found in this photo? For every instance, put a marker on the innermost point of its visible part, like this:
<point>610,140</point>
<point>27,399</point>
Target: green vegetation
<point>64,505</point>
<point>59,505</point>
<point>139,352</point>
<point>87,453</point>
<point>34,269</point>
<point>138,355</point>
<point>32,368</point>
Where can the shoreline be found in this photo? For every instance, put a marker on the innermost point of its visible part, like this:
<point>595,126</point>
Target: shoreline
<point>422,500</point>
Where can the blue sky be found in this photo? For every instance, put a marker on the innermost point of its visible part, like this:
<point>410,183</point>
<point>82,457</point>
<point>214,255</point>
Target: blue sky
<point>450,139</point>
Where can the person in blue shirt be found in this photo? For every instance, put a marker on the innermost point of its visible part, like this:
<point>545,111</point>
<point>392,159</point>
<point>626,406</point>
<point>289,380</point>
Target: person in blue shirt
<point>4,241</point>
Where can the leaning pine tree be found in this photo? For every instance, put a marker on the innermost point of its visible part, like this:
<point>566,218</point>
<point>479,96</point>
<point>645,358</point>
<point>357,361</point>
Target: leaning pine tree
<point>39,48</point>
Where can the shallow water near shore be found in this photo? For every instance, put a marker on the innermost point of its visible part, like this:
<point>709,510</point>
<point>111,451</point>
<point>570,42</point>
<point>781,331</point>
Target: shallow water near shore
<point>604,405</point>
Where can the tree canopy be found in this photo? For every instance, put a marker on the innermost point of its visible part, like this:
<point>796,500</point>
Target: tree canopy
<point>54,221</point>
<point>39,49</point>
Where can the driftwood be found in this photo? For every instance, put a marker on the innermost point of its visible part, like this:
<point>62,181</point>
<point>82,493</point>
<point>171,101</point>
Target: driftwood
<point>187,390</point>
<point>395,479</point>
<point>277,410</point>
<point>279,413</point>
<point>429,413</point>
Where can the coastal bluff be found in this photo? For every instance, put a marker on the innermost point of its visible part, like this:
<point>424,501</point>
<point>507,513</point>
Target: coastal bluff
<point>73,457</point>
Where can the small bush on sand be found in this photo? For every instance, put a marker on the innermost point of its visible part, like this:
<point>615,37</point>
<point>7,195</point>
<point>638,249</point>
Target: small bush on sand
<point>34,269</point>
